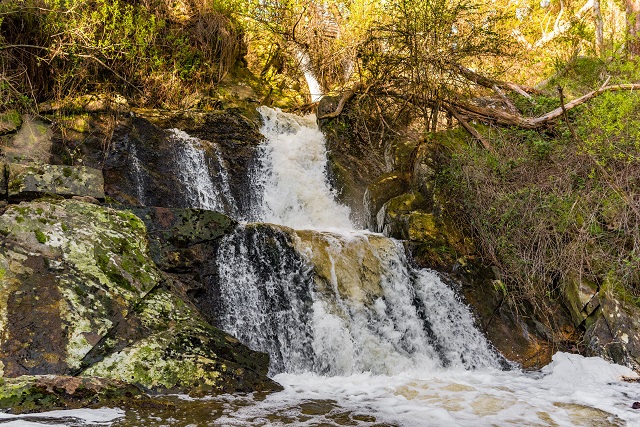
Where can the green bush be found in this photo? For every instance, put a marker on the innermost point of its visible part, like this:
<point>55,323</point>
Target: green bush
<point>151,51</point>
<point>547,207</point>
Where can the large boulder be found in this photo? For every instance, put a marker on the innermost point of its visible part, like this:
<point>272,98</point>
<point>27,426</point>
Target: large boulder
<point>177,236</point>
<point>80,295</point>
<point>172,349</point>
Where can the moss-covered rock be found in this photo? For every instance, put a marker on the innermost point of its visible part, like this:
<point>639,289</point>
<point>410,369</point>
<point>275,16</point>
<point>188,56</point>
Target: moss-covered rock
<point>31,180</point>
<point>79,294</point>
<point>76,267</point>
<point>174,234</point>
<point>89,103</point>
<point>386,187</point>
<point>36,393</point>
<point>180,351</point>
<point>581,300</point>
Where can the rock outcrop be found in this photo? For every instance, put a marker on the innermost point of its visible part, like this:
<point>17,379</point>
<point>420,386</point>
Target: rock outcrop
<point>29,180</point>
<point>36,393</point>
<point>82,296</point>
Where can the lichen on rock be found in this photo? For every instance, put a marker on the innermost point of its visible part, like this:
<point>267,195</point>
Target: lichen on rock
<point>30,180</point>
<point>80,295</point>
<point>35,393</point>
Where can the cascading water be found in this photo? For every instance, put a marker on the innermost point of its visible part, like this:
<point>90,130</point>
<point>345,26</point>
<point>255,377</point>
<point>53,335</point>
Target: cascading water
<point>340,304</point>
<point>356,335</point>
<point>138,175</point>
<point>201,191</point>
<point>291,177</point>
<point>346,318</point>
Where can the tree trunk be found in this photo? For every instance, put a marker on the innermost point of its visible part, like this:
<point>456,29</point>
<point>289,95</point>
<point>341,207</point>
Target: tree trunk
<point>599,25</point>
<point>633,27</point>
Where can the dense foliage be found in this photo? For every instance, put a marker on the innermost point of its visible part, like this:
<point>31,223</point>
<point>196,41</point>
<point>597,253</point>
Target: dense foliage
<point>152,50</point>
<point>560,205</point>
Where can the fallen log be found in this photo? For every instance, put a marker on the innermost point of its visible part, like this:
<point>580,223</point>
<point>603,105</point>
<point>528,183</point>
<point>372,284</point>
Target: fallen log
<point>509,119</point>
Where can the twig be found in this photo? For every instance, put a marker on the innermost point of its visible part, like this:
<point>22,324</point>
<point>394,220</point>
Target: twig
<point>566,118</point>
<point>470,128</point>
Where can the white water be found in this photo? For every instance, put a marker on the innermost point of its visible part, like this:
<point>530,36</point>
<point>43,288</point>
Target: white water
<point>137,170</point>
<point>201,191</point>
<point>341,304</point>
<point>571,391</point>
<point>93,417</point>
<point>399,348</point>
<point>292,174</point>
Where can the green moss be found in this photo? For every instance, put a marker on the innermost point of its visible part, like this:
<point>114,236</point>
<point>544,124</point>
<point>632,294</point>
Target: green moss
<point>41,237</point>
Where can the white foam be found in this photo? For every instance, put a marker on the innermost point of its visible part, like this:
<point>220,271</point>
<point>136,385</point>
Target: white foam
<point>571,391</point>
<point>101,416</point>
<point>296,192</point>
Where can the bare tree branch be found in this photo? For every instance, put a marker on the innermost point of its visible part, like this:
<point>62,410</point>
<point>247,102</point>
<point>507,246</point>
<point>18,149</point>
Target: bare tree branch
<point>508,119</point>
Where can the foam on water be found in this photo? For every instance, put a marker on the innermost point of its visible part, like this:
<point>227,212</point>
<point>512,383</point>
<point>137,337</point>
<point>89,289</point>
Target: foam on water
<point>571,391</point>
<point>70,417</point>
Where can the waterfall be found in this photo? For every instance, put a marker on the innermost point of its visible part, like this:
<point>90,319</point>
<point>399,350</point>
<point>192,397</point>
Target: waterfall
<point>331,300</point>
<point>314,86</point>
<point>137,174</point>
<point>339,304</point>
<point>349,323</point>
<point>291,176</point>
<point>201,191</point>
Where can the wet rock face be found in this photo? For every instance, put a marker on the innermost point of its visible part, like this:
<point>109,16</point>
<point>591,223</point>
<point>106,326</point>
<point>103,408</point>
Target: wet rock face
<point>141,169</point>
<point>175,235</point>
<point>614,333</point>
<point>353,164</point>
<point>143,164</point>
<point>80,295</point>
